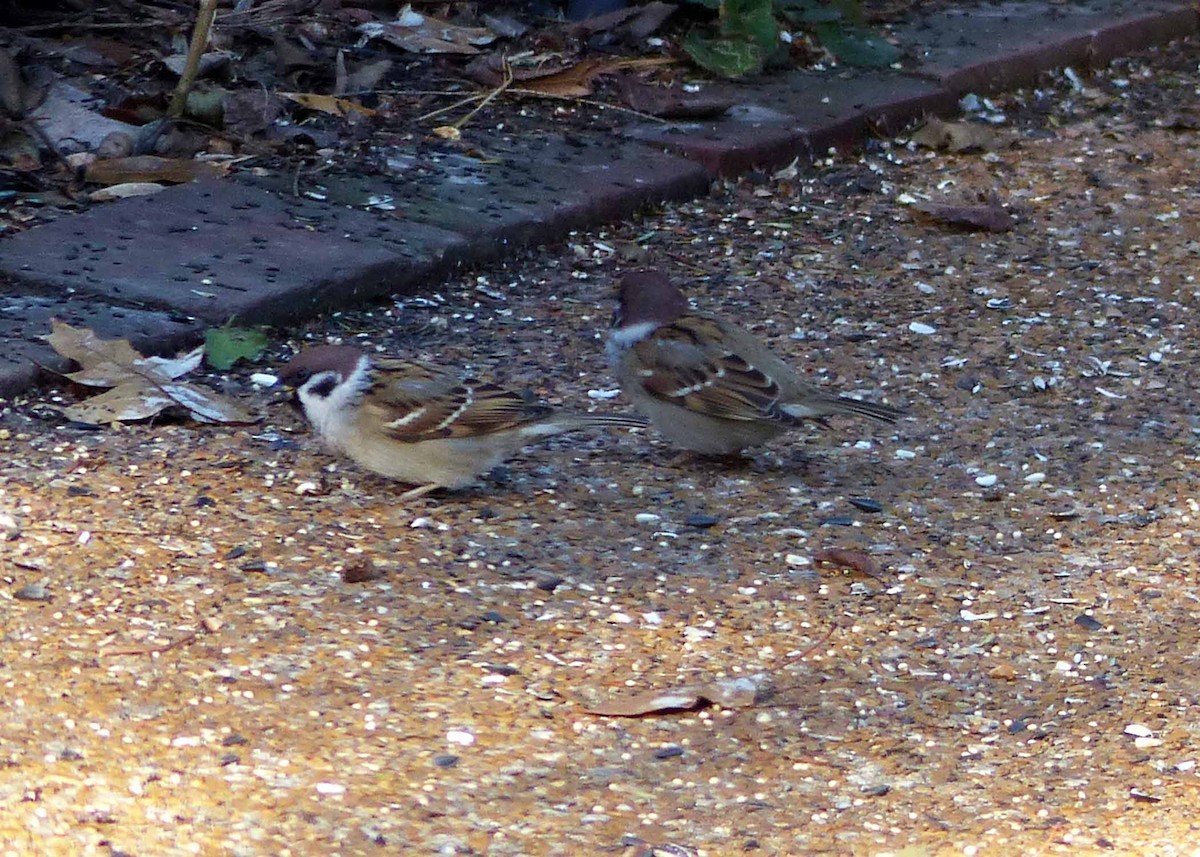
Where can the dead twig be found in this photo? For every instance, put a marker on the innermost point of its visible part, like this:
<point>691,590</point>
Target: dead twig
<point>186,639</point>
<point>204,21</point>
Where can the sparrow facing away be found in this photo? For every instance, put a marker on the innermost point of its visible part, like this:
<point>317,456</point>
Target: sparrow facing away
<point>706,384</point>
<point>417,423</point>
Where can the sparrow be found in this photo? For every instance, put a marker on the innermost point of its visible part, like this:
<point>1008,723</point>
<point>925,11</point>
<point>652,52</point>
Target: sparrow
<point>706,384</point>
<point>418,423</point>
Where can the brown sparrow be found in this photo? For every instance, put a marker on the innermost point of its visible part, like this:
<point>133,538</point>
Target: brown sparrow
<point>419,424</point>
<point>706,384</point>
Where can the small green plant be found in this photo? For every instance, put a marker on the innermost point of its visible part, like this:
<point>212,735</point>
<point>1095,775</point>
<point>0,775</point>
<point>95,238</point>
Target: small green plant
<point>225,346</point>
<point>748,34</point>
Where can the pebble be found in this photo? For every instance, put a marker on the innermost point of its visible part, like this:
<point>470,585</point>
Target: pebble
<point>905,454</point>
<point>619,618</point>
<point>263,379</point>
<point>331,789</point>
<point>1036,477</point>
<point>1137,730</point>
<point>922,329</point>
<point>647,518</point>
<point>460,737</point>
<point>1085,621</point>
<point>445,760</point>
<point>987,480</point>
<point>32,592</point>
<point>1156,357</point>
<point>604,394</point>
<point>701,521</point>
<point>669,752</point>
<point>838,521</point>
<point>548,582</point>
<point>866,504</point>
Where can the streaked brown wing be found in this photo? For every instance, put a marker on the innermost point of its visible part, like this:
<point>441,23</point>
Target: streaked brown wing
<point>416,402</point>
<point>680,366</point>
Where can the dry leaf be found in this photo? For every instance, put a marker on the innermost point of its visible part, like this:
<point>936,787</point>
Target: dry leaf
<point>738,692</point>
<point>141,386</point>
<point>125,190</point>
<point>956,136</point>
<point>573,82</point>
<point>851,559</point>
<point>327,103</point>
<point>991,217</point>
<point>424,34</point>
<point>673,102</point>
<point>149,168</point>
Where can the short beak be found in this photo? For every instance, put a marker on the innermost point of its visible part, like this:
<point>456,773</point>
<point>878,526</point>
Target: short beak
<point>282,392</point>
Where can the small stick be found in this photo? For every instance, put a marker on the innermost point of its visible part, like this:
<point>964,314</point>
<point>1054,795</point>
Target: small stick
<point>204,22</point>
<point>190,637</point>
<point>508,79</point>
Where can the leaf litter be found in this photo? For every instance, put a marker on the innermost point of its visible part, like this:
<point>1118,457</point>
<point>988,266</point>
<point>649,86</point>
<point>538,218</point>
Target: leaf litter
<point>141,387</point>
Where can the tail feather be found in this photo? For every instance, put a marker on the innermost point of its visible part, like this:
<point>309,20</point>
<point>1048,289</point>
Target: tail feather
<point>560,423</point>
<point>818,408</point>
<point>883,413</point>
<point>610,420</point>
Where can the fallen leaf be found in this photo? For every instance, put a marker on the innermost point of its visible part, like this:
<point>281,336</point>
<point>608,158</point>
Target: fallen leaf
<point>991,217</point>
<point>125,190</point>
<point>738,692</point>
<point>141,386</point>
<point>851,559</point>
<point>12,87</point>
<point>424,34</point>
<point>327,103</point>
<point>361,572</point>
<point>1188,120</point>
<point>673,102</point>
<point>573,82</point>
<point>149,168</point>
<point>956,136</point>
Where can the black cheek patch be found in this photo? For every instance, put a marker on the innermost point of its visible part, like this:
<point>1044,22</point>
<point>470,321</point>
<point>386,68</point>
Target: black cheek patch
<point>323,387</point>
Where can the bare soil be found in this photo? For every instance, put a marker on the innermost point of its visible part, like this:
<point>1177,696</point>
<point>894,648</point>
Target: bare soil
<point>187,669</point>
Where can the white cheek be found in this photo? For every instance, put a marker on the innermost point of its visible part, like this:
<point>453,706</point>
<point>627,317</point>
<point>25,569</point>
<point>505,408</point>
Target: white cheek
<point>625,337</point>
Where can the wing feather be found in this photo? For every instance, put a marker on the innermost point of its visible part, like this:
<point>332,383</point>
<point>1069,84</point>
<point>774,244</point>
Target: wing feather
<point>681,366</point>
<point>416,402</point>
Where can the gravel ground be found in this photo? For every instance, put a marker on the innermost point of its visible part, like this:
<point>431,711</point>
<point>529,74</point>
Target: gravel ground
<point>189,666</point>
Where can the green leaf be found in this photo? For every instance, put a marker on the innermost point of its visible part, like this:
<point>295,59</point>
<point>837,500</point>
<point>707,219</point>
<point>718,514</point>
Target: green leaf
<point>750,20</point>
<point>857,46</point>
<point>225,346</point>
<point>726,57</point>
<point>816,11</point>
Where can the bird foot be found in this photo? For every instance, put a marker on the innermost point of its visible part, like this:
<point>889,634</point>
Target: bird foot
<point>419,491</point>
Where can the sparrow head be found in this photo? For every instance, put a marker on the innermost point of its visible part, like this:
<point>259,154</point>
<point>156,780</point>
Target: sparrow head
<point>316,372</point>
<point>648,297</point>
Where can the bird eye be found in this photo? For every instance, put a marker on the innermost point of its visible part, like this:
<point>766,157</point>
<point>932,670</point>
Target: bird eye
<point>301,376</point>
